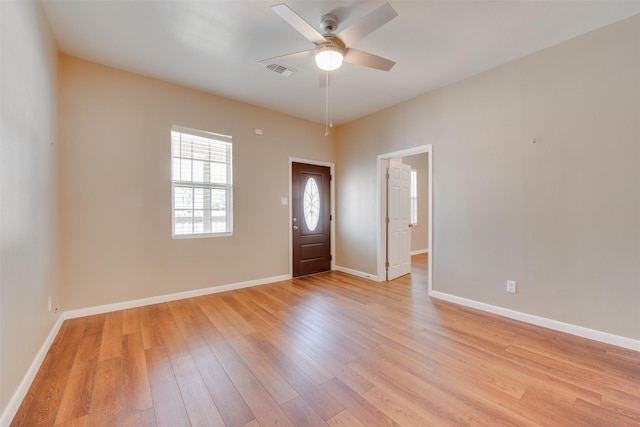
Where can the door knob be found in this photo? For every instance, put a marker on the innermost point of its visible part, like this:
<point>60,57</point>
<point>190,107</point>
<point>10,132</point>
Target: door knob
<point>295,227</point>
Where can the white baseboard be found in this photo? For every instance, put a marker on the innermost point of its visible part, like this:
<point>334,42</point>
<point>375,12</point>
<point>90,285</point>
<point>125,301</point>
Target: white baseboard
<point>72,314</point>
<point>420,251</point>
<point>556,325</point>
<point>357,273</point>
<point>16,400</point>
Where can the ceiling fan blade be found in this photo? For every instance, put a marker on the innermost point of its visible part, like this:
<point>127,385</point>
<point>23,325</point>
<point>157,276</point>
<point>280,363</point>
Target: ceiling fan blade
<point>299,24</point>
<point>358,57</point>
<point>367,24</point>
<point>296,55</point>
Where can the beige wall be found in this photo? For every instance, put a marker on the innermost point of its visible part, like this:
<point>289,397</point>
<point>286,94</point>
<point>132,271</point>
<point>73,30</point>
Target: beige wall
<point>116,189</point>
<point>27,189</point>
<point>561,216</point>
<point>420,231</point>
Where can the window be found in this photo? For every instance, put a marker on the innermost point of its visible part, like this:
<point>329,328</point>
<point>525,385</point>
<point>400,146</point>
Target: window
<point>414,196</point>
<point>311,205</point>
<point>201,180</point>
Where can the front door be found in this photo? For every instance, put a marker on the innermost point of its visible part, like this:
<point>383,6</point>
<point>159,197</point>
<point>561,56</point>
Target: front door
<point>311,216</point>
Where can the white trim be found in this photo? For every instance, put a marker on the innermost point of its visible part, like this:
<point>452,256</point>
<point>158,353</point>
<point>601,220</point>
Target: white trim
<point>544,322</point>
<point>381,196</point>
<point>430,220</point>
<point>357,273</point>
<point>420,251</point>
<point>202,133</point>
<point>72,314</point>
<point>16,400</point>
<point>332,189</point>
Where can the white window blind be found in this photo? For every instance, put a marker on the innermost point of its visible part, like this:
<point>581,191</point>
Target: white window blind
<point>201,179</point>
<point>414,196</point>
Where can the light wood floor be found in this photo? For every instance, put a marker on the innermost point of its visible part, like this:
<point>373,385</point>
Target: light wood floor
<point>329,349</point>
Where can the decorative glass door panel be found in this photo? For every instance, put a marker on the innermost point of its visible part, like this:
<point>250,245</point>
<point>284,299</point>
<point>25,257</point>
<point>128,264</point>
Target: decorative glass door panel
<point>311,204</point>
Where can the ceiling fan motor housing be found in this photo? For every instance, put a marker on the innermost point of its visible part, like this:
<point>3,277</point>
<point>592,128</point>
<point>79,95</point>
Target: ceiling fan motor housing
<point>329,23</point>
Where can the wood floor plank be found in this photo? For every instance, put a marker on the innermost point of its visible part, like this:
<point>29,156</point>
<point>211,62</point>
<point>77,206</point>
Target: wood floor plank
<point>234,327</point>
<point>200,334</point>
<point>231,405</point>
<point>149,324</point>
<point>183,314</point>
<point>327,349</point>
<point>34,395</point>
<point>107,401</point>
<point>344,419</point>
<point>192,323</point>
<point>362,409</point>
<point>272,381</point>
<point>169,333</point>
<point>594,415</point>
<point>130,321</point>
<point>301,414</point>
<point>89,349</point>
<point>146,418</point>
<point>50,384</point>
<point>234,323</point>
<point>266,410</point>
<point>135,381</point>
<point>75,422</point>
<point>621,403</point>
<point>46,400</point>
<point>167,400</point>
<point>111,345</point>
<point>94,325</point>
<point>268,324</point>
<point>570,372</point>
<point>76,401</point>
<point>353,380</point>
<point>438,405</point>
<point>200,407</point>
<point>398,411</point>
<point>318,399</point>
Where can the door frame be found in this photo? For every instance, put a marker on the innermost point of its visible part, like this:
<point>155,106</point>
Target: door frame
<point>382,209</point>
<point>332,185</point>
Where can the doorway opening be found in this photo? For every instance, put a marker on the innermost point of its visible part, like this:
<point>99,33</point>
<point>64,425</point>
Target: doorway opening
<point>416,157</point>
<point>311,217</point>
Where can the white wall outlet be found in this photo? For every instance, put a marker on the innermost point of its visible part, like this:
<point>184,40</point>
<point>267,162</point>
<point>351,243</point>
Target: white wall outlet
<point>49,303</point>
<point>511,286</point>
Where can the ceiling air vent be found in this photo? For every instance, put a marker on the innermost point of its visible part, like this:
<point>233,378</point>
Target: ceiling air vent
<point>280,69</point>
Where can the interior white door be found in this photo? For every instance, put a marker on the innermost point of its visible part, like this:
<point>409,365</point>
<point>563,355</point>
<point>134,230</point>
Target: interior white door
<point>399,218</point>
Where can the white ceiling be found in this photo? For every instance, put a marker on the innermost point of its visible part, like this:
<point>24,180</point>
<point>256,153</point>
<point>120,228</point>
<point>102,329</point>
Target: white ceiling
<point>215,46</point>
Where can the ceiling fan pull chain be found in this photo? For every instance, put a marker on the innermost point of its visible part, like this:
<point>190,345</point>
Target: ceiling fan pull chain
<point>326,106</point>
<point>329,90</point>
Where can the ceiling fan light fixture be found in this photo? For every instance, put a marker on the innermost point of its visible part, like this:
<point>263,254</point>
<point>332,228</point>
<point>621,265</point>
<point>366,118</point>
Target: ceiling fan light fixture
<point>329,57</point>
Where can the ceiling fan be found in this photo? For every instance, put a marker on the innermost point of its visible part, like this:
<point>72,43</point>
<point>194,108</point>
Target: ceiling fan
<point>331,49</point>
